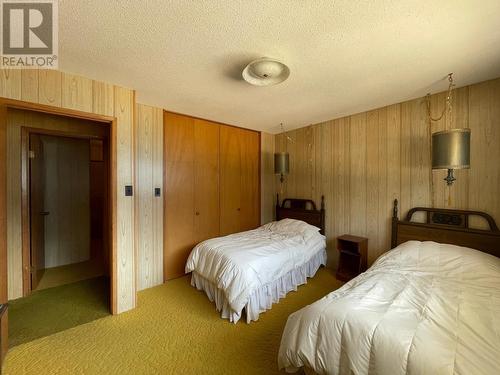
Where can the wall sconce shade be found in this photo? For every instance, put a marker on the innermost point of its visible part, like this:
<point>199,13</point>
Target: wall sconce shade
<point>281,164</point>
<point>451,150</point>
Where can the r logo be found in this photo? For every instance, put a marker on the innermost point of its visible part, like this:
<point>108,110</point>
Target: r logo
<point>27,28</point>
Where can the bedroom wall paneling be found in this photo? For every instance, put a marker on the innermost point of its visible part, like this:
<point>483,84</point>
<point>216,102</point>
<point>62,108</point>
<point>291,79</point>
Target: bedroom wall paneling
<point>361,163</point>
<point>70,94</point>
<point>212,184</point>
<point>268,178</point>
<point>149,206</point>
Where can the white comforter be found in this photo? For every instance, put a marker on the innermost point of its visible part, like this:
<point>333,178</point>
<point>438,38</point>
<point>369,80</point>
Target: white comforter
<point>240,263</point>
<point>423,308</point>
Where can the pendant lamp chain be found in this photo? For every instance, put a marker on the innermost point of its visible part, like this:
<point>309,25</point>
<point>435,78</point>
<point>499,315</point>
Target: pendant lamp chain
<point>449,104</point>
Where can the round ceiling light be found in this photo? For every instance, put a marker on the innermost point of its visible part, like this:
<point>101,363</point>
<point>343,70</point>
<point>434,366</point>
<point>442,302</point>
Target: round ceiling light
<point>265,72</point>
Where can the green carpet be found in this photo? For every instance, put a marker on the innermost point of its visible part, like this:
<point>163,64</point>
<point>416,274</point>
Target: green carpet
<point>52,310</point>
<point>174,330</point>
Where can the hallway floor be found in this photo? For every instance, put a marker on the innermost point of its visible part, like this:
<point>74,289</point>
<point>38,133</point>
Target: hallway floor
<point>70,273</point>
<point>56,309</point>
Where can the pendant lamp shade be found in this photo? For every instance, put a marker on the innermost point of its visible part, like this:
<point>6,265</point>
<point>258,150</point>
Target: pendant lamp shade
<point>451,149</point>
<point>281,163</point>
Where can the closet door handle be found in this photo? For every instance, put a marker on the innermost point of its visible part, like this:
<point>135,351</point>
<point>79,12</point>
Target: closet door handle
<point>197,213</point>
<point>238,209</point>
<point>44,213</point>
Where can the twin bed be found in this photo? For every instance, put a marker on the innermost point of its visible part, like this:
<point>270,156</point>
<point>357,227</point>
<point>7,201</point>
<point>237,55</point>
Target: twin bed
<point>429,306</point>
<point>249,271</point>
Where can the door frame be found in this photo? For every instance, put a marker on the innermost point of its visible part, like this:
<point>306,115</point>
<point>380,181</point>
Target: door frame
<point>26,131</point>
<point>5,104</point>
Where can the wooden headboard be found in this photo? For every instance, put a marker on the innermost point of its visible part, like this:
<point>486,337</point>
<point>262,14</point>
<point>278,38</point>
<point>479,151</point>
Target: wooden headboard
<point>302,209</point>
<point>446,226</point>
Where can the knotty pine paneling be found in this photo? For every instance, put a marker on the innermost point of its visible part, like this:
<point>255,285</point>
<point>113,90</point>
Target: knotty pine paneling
<point>29,85</point>
<point>149,209</point>
<point>77,92</point>
<point>70,91</point>
<point>124,101</point>
<point>50,87</point>
<point>361,163</point>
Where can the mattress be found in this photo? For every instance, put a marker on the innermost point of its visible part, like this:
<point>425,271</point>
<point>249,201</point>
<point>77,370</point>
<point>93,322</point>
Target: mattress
<point>422,308</point>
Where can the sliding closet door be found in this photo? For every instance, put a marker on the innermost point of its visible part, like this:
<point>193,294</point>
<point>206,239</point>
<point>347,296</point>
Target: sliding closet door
<point>250,182</point>
<point>230,180</point>
<point>206,180</point>
<point>179,231</point>
<point>239,179</point>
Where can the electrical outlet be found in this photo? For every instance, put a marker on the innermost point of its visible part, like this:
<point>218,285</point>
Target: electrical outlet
<point>157,192</point>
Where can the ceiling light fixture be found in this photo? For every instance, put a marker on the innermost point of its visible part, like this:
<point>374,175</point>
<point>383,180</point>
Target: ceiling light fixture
<point>265,72</point>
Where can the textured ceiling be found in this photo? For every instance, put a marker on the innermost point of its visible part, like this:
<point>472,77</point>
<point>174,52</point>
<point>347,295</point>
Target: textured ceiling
<point>345,56</point>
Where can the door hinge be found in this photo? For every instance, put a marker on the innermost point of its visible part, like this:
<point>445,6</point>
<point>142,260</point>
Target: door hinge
<point>31,154</point>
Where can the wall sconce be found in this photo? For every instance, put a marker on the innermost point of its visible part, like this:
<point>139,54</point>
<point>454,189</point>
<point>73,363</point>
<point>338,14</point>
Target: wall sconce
<point>281,164</point>
<point>451,150</point>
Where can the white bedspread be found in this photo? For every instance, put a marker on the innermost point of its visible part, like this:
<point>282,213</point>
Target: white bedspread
<point>423,308</point>
<point>240,263</point>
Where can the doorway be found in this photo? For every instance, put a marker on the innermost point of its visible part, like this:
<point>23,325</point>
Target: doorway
<point>66,219</point>
<point>9,223</point>
<point>66,184</point>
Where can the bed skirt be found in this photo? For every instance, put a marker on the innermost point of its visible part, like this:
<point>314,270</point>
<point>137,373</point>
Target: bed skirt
<point>263,298</point>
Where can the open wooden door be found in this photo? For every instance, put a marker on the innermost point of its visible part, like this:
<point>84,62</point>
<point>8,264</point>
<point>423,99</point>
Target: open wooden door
<point>37,212</point>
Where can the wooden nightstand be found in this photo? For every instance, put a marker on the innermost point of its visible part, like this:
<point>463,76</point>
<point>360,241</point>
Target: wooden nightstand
<point>352,256</point>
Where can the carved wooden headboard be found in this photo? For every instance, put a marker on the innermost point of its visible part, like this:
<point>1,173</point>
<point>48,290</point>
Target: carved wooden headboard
<point>446,226</point>
<point>302,209</point>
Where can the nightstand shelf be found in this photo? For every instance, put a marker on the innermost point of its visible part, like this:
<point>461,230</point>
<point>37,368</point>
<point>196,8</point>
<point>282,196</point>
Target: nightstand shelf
<point>352,256</point>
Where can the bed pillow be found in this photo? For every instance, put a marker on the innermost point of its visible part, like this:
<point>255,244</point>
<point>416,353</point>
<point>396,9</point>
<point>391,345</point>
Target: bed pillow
<point>292,227</point>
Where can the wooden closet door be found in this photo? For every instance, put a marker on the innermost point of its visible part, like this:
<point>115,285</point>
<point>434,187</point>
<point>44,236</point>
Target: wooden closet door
<point>230,180</point>
<point>250,181</point>
<point>206,180</point>
<point>179,231</point>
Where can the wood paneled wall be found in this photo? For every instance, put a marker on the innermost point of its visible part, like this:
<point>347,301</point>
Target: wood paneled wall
<point>267,178</point>
<point>149,209</point>
<point>74,92</point>
<point>361,163</point>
